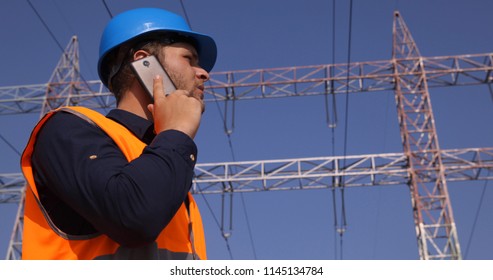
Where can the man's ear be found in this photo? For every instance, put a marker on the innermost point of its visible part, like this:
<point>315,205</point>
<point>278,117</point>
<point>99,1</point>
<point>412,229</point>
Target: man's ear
<point>140,54</point>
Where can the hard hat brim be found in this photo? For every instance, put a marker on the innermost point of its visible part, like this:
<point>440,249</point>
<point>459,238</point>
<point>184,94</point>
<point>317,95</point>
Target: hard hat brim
<point>151,22</point>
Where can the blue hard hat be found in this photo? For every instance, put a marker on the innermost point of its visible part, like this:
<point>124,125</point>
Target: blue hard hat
<point>132,24</point>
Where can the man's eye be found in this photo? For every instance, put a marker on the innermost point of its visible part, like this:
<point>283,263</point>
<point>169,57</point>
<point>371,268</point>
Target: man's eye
<point>191,59</point>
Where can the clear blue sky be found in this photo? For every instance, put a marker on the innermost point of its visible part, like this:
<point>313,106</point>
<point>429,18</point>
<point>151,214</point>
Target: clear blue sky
<point>269,34</point>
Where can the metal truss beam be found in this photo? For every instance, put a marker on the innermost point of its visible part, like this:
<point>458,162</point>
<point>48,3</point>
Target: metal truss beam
<point>328,172</point>
<point>270,83</point>
<point>423,166</point>
<point>310,173</point>
<point>11,186</point>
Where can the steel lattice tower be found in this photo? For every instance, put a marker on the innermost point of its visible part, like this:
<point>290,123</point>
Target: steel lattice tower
<point>433,218</point>
<point>423,166</point>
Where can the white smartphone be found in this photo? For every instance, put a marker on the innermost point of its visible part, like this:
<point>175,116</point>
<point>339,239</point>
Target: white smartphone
<point>146,69</point>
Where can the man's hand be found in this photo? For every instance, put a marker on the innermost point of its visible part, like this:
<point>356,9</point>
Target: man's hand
<point>178,111</point>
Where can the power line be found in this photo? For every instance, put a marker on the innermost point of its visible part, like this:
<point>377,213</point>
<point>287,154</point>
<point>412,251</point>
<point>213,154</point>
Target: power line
<point>220,225</point>
<point>248,226</point>
<point>332,123</point>
<point>58,44</point>
<point>217,223</point>
<point>10,145</point>
<point>346,125</point>
<point>107,9</point>
<point>230,143</point>
<point>71,30</point>
<point>334,200</point>
<point>476,217</point>
<point>46,26</point>
<point>185,13</point>
<point>491,91</point>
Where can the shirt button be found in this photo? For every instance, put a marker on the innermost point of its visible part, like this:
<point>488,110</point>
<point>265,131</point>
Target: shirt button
<point>192,157</point>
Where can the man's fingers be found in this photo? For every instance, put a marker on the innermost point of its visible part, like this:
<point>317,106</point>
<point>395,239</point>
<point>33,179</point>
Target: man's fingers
<point>150,107</point>
<point>158,88</point>
<point>178,111</point>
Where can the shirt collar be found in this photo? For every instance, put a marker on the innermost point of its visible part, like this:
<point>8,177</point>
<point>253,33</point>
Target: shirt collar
<point>140,127</point>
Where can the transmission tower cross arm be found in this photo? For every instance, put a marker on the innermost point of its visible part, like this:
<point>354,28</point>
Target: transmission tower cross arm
<point>442,71</point>
<point>423,166</point>
<point>355,77</point>
<point>309,173</point>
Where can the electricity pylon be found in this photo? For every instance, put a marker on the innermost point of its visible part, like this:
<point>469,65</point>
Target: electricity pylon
<point>435,227</point>
<point>423,166</point>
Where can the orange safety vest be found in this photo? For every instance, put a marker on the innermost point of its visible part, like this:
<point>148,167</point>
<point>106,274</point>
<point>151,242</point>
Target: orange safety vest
<point>182,238</point>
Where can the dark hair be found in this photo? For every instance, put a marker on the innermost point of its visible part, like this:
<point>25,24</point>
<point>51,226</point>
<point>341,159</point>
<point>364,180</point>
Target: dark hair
<point>120,75</point>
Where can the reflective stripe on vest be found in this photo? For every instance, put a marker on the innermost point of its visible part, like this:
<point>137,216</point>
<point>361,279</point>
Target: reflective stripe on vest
<point>42,240</point>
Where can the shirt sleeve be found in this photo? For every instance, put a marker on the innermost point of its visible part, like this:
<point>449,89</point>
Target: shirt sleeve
<point>131,202</point>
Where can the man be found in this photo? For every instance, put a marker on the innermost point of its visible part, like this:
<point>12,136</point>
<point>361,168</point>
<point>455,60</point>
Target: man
<point>117,187</point>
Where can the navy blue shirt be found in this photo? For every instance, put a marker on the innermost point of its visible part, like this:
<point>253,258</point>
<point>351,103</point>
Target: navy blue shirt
<point>87,186</point>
